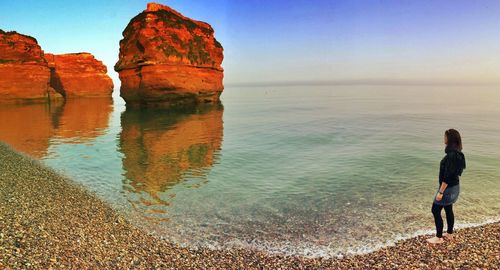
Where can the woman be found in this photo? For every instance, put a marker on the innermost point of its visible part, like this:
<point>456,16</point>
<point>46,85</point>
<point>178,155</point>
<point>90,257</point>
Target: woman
<point>450,170</point>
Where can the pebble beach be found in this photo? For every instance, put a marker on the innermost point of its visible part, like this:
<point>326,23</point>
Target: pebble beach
<point>48,221</point>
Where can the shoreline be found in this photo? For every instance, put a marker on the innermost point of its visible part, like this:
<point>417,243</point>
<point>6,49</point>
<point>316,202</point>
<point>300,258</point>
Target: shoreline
<point>364,251</point>
<point>48,220</point>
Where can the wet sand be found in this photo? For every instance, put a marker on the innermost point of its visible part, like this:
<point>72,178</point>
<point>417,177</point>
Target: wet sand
<point>48,221</point>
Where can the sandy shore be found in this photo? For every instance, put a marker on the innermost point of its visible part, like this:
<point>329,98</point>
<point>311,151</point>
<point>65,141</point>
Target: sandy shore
<point>48,221</point>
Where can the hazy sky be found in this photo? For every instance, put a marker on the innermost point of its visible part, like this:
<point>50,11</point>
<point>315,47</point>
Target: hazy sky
<point>295,40</point>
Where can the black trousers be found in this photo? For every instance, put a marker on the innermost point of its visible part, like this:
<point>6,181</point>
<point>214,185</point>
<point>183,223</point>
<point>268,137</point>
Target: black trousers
<point>438,220</point>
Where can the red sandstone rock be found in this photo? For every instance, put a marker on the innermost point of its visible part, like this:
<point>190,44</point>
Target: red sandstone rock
<point>24,73</point>
<point>79,74</point>
<point>167,58</point>
<point>27,74</point>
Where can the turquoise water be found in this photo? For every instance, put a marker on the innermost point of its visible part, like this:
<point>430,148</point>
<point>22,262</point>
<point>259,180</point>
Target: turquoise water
<point>310,170</point>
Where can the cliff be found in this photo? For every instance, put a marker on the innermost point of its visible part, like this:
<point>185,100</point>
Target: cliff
<point>79,74</point>
<point>27,74</point>
<point>167,58</point>
<point>24,72</point>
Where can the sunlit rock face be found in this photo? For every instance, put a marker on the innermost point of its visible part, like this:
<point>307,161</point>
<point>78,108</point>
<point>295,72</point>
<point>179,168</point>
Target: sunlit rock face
<point>29,75</point>
<point>24,72</point>
<point>79,75</point>
<point>160,152</point>
<point>168,59</point>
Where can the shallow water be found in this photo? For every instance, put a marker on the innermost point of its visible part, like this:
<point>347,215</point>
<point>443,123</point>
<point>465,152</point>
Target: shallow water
<point>311,170</point>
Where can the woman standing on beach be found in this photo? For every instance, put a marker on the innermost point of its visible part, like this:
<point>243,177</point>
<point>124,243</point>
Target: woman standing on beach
<point>450,169</point>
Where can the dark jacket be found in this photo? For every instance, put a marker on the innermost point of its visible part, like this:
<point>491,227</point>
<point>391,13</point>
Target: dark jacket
<point>451,166</point>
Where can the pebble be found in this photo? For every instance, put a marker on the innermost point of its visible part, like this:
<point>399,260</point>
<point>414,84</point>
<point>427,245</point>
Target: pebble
<point>49,222</point>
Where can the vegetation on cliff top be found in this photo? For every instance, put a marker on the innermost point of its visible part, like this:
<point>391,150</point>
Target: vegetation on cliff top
<point>175,21</point>
<point>168,18</point>
<point>195,50</point>
<point>16,33</point>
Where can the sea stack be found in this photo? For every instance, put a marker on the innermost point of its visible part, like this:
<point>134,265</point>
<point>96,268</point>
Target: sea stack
<point>168,59</point>
<point>79,75</point>
<point>24,72</point>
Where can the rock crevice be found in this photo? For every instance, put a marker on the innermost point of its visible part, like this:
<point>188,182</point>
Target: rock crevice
<point>27,74</point>
<point>24,72</point>
<point>79,74</point>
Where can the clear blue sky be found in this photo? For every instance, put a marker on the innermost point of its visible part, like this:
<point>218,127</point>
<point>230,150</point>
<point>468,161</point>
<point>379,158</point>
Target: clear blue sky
<point>299,40</point>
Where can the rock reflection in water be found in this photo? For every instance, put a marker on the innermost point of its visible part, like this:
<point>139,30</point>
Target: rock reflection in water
<point>29,127</point>
<point>32,128</point>
<point>163,148</point>
<point>83,119</point>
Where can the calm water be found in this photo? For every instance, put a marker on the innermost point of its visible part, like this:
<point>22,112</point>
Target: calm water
<point>317,170</point>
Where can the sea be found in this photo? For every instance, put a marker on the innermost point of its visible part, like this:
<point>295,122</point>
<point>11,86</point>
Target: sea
<point>310,170</point>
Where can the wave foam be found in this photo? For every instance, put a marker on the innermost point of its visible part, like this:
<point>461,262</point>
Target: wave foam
<point>314,251</point>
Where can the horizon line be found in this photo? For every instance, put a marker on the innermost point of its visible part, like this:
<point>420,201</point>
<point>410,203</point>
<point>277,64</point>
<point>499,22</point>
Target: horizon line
<point>387,82</point>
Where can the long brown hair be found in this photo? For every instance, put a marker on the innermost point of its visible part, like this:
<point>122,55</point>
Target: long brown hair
<point>454,138</point>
